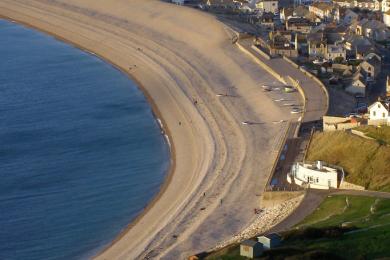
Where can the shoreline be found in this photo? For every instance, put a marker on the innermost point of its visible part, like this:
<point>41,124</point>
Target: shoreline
<point>213,157</point>
<point>156,115</point>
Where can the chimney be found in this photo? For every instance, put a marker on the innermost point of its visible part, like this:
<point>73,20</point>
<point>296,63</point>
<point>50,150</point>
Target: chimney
<point>319,165</point>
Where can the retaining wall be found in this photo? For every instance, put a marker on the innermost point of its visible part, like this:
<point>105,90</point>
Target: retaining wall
<point>307,73</point>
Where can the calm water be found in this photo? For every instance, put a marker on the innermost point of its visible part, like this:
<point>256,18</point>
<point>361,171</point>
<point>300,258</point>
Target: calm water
<point>80,152</point>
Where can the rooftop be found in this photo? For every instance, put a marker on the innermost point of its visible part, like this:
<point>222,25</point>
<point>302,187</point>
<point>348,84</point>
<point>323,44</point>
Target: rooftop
<point>249,242</point>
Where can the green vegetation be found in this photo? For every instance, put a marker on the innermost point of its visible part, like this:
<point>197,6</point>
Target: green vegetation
<point>363,223</point>
<point>343,227</point>
<point>382,133</point>
<point>365,162</point>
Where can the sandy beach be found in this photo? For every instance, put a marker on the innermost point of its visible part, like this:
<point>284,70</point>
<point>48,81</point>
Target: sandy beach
<point>182,59</point>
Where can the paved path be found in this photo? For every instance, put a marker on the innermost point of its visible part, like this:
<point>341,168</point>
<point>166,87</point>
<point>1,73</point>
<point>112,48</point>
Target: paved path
<point>316,98</point>
<point>313,199</point>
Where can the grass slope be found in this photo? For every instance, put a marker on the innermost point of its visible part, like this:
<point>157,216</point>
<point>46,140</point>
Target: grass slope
<point>343,227</point>
<point>366,162</point>
<point>382,134</point>
<point>370,216</point>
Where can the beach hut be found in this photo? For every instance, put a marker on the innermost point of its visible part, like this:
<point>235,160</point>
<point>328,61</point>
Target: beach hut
<point>269,241</point>
<point>251,248</point>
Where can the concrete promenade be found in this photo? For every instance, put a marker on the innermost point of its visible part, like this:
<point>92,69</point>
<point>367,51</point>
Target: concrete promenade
<point>316,98</point>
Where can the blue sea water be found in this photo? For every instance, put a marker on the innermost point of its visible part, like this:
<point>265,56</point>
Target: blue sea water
<point>80,152</point>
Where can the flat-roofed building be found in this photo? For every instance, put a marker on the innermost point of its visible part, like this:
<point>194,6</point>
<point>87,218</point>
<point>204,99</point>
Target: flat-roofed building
<point>316,175</point>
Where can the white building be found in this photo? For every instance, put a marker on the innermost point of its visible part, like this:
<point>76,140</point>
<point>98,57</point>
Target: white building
<point>316,176</point>
<point>379,113</point>
<point>385,5</point>
<point>267,6</point>
<point>323,10</point>
<point>386,18</point>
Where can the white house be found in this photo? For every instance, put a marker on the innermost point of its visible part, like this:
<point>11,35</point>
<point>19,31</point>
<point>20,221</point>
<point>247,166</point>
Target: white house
<point>386,18</point>
<point>322,10</point>
<point>316,176</point>
<point>385,6</point>
<point>267,6</point>
<point>379,113</point>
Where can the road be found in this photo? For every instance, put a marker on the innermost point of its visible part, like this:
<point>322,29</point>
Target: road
<point>316,98</point>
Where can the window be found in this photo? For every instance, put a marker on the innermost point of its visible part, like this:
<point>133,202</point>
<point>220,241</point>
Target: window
<point>374,113</point>
<point>384,115</point>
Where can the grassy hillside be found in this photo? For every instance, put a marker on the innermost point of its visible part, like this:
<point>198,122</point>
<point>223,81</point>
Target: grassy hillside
<point>366,162</point>
<point>366,228</point>
<point>382,134</point>
<point>343,227</point>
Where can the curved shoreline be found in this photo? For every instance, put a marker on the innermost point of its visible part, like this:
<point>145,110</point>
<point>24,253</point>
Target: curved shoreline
<point>156,115</point>
<point>213,158</point>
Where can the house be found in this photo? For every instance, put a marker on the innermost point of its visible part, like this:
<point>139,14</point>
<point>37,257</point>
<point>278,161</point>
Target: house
<point>334,123</point>
<point>371,66</point>
<point>362,51</point>
<point>224,4</point>
<point>299,24</point>
<point>303,2</point>
<point>379,113</point>
<point>348,17</point>
<point>371,5</point>
<point>372,29</point>
<point>345,3</point>
<point>385,6</point>
<point>303,11</point>
<point>317,45</point>
<point>281,44</point>
<point>316,175</point>
<point>357,85</point>
<point>386,18</point>
<point>335,51</point>
<point>251,248</point>
<point>322,10</point>
<point>286,13</point>
<point>388,87</point>
<point>300,42</point>
<point>268,6</point>
<point>357,45</point>
<point>267,21</point>
<point>270,241</point>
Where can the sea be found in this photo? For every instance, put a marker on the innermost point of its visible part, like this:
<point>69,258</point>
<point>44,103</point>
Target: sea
<point>81,154</point>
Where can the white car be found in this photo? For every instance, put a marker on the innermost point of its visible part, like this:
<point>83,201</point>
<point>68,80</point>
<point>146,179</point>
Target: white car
<point>296,110</point>
<point>266,88</point>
